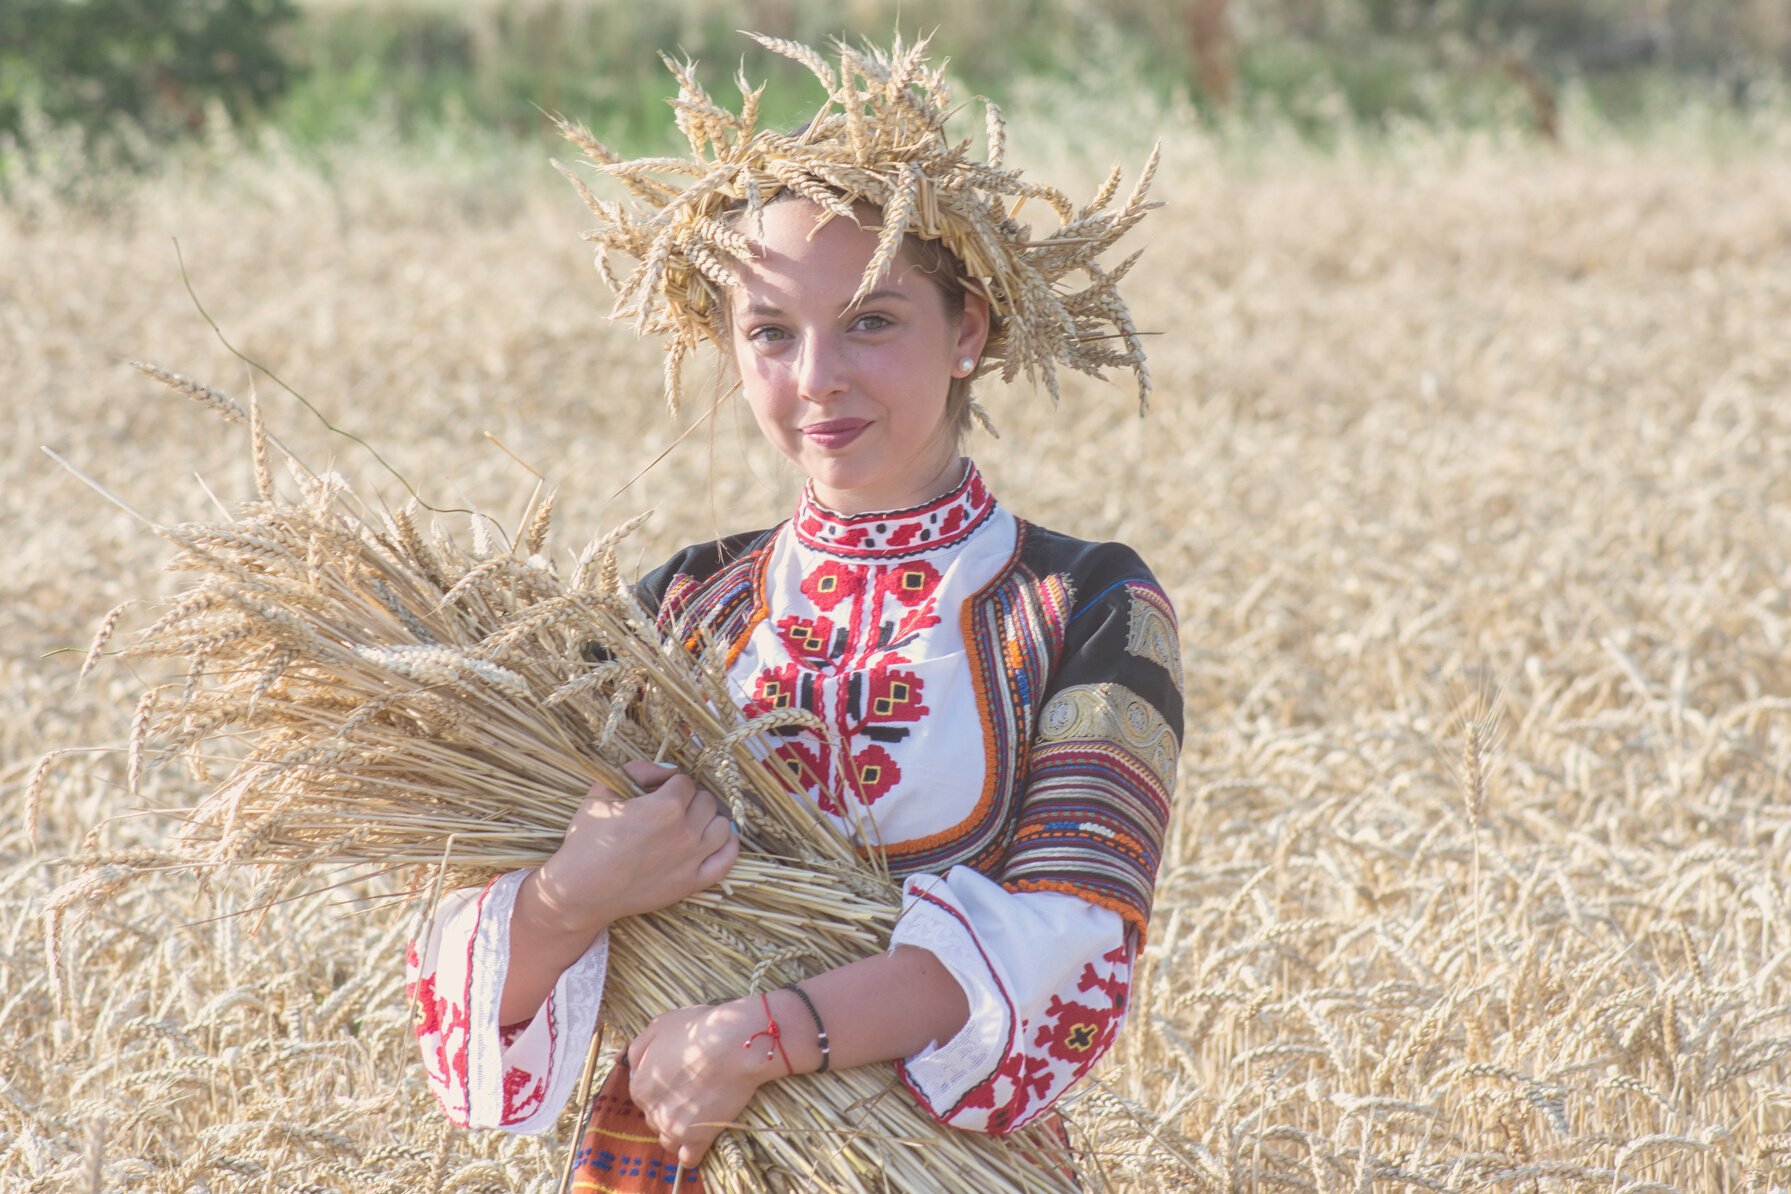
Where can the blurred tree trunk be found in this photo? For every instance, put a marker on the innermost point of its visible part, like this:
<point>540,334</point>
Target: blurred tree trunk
<point>1210,44</point>
<point>1545,110</point>
<point>777,18</point>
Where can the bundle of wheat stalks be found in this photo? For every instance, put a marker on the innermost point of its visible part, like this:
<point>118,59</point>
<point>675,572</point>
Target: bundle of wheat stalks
<point>379,698</point>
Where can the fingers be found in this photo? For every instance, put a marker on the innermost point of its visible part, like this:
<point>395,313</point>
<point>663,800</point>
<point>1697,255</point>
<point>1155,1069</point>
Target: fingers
<point>689,1142</point>
<point>697,807</point>
<point>680,1079</point>
<point>716,832</point>
<point>702,811</point>
<point>663,779</point>
<point>624,857</point>
<point>665,796</point>
<point>649,775</point>
<point>718,845</point>
<point>715,867</point>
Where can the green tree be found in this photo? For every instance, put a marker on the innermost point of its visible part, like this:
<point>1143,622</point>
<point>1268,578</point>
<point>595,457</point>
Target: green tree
<point>156,62</point>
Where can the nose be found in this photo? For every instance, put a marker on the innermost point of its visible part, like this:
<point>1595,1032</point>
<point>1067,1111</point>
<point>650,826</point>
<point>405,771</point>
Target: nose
<point>820,371</point>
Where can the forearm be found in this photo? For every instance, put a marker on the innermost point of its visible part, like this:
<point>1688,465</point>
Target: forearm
<point>863,1023</point>
<point>542,945</point>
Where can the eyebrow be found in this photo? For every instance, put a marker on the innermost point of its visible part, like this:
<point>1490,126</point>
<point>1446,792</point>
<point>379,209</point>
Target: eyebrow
<point>880,295</point>
<point>883,295</point>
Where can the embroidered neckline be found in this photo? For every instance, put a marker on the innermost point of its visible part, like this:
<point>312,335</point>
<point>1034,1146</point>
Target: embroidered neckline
<point>945,521</point>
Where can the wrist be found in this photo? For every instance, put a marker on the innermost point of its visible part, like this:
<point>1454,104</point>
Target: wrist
<point>802,1039</point>
<point>763,1035</point>
<point>575,921</point>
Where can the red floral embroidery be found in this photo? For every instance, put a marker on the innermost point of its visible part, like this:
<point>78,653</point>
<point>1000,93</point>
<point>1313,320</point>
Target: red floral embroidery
<point>1114,983</point>
<point>1037,1082</point>
<point>441,1027</point>
<point>844,644</point>
<point>832,583</point>
<point>518,1101</point>
<point>892,695</point>
<point>908,592</point>
<point>875,772</point>
<point>426,1007</point>
<point>1076,1032</point>
<point>775,688</point>
<point>805,765</point>
<point>1008,1093</point>
<point>806,639</point>
<point>1052,1049</point>
<point>910,583</point>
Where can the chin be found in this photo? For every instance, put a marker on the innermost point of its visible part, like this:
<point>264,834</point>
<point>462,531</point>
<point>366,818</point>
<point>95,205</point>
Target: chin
<point>846,484</point>
<point>852,491</point>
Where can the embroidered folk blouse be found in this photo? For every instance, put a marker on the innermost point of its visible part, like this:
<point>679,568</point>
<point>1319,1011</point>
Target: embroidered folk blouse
<point>1004,715</point>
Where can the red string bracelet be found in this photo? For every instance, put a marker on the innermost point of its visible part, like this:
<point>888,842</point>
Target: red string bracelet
<point>771,1030</point>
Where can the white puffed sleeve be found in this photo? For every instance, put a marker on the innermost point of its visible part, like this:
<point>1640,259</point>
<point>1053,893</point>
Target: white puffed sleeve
<point>1047,976</point>
<point>485,1075</point>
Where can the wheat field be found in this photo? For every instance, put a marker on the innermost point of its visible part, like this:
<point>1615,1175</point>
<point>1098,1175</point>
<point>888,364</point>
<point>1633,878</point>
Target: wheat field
<point>1467,473</point>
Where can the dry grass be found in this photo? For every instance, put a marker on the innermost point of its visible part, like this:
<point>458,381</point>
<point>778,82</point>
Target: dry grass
<point>1467,420</point>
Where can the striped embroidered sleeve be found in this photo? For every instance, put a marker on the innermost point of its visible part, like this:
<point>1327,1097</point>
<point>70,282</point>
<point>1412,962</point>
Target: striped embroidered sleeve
<point>705,588</point>
<point>1095,802</point>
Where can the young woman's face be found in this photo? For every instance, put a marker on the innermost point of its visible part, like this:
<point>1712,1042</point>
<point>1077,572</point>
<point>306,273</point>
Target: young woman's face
<point>855,395</point>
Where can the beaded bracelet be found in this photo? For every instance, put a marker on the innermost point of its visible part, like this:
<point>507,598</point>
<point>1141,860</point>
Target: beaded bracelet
<point>820,1030</point>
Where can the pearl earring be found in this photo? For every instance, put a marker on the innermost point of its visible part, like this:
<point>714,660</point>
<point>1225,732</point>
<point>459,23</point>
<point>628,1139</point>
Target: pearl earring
<point>966,365</point>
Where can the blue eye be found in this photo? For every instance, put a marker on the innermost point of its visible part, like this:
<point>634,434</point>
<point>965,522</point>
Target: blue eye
<point>873,322</point>
<point>765,335</point>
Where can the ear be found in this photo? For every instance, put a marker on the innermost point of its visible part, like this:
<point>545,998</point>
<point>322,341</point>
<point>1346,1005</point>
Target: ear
<point>973,327</point>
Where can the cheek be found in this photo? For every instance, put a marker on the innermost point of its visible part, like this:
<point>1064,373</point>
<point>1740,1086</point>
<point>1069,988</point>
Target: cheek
<point>767,394</point>
<point>763,380</point>
<point>922,388</point>
<point>747,365</point>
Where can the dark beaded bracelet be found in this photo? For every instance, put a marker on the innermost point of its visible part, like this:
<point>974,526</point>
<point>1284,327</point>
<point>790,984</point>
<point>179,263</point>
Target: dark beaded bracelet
<point>820,1030</point>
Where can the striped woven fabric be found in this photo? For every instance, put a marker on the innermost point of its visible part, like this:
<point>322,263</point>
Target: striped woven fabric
<point>619,1153</point>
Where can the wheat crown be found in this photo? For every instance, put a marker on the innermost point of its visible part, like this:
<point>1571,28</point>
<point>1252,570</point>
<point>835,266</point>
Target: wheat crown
<point>878,138</point>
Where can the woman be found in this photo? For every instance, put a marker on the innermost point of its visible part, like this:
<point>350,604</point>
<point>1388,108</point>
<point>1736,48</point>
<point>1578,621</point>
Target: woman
<point>1003,702</point>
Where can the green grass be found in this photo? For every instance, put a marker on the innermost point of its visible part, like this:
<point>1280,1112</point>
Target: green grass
<point>1329,71</point>
<point>498,64</point>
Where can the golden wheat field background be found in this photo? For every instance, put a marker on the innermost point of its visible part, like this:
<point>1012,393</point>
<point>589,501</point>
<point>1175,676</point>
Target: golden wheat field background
<point>1467,473</point>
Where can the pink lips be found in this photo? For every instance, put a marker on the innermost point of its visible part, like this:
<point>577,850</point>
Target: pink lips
<point>835,433</point>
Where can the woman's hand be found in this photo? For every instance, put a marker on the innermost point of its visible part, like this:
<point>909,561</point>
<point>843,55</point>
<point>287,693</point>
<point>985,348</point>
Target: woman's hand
<point>621,857</point>
<point>692,1071</point>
